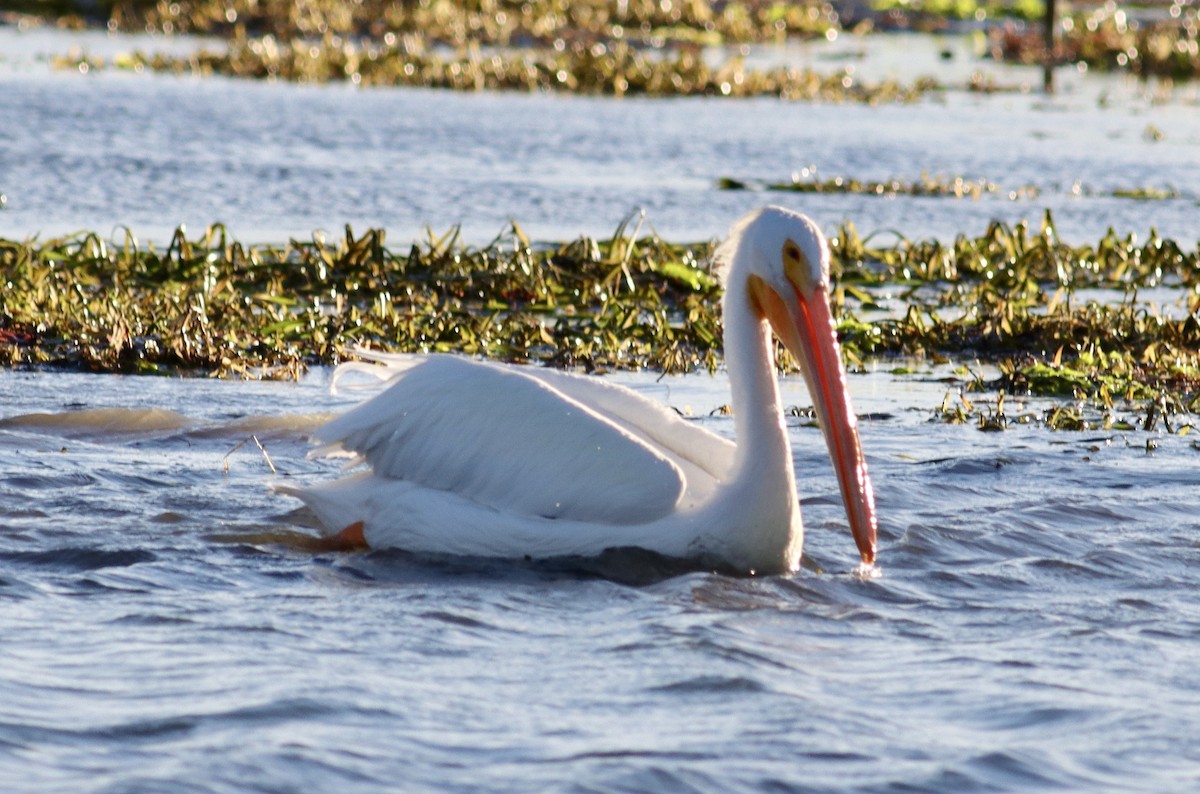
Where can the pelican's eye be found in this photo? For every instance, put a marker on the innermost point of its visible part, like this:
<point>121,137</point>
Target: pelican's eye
<point>795,264</point>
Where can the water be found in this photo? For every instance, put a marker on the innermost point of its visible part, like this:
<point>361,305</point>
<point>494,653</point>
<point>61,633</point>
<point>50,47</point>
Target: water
<point>273,161</point>
<point>1035,627</point>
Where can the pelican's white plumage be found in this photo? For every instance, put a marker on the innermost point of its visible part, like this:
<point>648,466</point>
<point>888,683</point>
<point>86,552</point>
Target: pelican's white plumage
<point>470,457</point>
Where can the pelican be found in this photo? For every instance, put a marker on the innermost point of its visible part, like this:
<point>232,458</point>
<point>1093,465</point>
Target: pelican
<point>468,457</point>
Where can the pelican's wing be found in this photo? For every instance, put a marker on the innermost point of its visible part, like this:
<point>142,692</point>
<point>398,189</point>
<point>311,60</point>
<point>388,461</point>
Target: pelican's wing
<point>659,424</point>
<point>655,423</point>
<point>506,440</point>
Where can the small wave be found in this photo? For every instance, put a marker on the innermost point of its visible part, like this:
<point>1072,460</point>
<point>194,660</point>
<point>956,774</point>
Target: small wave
<point>976,465</point>
<point>100,422</point>
<point>50,482</point>
<point>1018,770</point>
<point>712,683</point>
<point>278,711</point>
<point>287,426</point>
<point>79,559</point>
<point>455,619</point>
<point>147,729</point>
<point>22,512</point>
<point>151,620</point>
<point>1067,570</point>
<point>1018,716</point>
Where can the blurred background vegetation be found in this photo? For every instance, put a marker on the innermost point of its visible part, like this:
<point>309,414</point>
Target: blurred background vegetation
<point>389,42</point>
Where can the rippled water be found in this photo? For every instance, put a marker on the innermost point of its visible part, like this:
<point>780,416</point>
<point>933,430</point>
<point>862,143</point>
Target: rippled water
<point>162,629</point>
<point>1036,625</point>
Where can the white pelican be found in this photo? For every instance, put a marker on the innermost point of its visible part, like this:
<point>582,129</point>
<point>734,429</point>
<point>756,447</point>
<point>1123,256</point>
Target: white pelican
<point>475,458</point>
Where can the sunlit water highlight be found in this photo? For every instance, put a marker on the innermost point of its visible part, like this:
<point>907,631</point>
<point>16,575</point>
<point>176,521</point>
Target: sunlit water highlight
<point>1035,625</point>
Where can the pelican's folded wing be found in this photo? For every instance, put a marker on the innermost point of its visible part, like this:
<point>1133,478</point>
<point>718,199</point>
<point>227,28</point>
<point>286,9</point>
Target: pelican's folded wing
<point>659,424</point>
<point>506,440</point>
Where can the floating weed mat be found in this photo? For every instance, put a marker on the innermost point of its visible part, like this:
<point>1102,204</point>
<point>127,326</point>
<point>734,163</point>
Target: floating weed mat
<point>1057,320</point>
<point>497,22</point>
<point>932,16</point>
<point>210,305</point>
<point>998,411</point>
<point>381,41</point>
<point>606,47</point>
<point>613,69</point>
<point>808,181</point>
<point>1017,298</point>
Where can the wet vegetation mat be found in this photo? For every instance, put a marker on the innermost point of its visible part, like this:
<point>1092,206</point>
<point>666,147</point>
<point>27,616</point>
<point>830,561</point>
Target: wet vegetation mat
<point>807,180</point>
<point>613,47</point>
<point>1052,319</point>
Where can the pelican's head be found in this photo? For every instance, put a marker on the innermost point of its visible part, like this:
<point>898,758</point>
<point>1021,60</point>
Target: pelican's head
<point>784,259</point>
<point>780,247</point>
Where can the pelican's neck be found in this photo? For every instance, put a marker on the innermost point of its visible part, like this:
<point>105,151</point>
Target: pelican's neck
<point>763,454</point>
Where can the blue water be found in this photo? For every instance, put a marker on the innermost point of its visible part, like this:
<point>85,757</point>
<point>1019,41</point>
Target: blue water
<point>1035,625</point>
<point>110,150</point>
<point>161,629</point>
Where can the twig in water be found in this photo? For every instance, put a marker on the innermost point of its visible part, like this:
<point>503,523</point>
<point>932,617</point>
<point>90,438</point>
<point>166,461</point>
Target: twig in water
<point>242,443</point>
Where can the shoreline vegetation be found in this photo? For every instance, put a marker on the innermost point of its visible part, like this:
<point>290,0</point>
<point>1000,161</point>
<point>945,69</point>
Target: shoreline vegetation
<point>615,47</point>
<point>1055,320</point>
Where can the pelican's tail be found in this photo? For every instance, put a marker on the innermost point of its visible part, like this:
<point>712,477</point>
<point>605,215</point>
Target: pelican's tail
<point>336,504</point>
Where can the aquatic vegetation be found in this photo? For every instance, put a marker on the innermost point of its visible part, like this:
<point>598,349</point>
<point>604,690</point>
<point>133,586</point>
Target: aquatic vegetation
<point>489,22</point>
<point>211,305</point>
<point>1057,320</point>
<point>1012,296</point>
<point>936,14</point>
<point>807,181</point>
<point>616,69</point>
<point>1114,37</point>
<point>1147,193</point>
<point>634,46</point>
<point>599,47</point>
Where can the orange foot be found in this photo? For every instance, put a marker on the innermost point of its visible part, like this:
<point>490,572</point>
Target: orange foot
<point>350,538</point>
